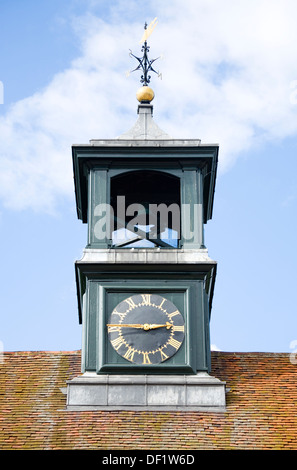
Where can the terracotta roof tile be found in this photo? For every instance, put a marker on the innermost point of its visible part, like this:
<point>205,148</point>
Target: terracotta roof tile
<point>261,408</point>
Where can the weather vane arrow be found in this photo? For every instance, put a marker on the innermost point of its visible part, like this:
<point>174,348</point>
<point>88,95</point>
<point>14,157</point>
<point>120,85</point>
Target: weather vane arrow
<point>145,64</point>
<point>148,30</point>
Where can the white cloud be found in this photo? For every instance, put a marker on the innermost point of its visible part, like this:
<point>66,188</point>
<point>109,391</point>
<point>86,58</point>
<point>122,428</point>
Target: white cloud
<point>83,102</point>
<point>233,84</point>
<point>227,74</point>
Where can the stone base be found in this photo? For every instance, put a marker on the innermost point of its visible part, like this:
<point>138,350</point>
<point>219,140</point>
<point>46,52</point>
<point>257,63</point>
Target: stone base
<point>199,392</point>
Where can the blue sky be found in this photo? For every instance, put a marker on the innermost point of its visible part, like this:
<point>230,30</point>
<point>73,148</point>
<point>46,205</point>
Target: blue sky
<point>229,76</point>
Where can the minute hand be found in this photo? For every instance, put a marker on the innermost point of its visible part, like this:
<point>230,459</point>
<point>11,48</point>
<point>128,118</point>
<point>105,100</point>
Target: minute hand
<point>126,325</point>
<point>145,326</point>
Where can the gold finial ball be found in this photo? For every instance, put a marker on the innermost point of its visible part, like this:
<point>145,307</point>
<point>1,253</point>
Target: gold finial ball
<point>145,94</point>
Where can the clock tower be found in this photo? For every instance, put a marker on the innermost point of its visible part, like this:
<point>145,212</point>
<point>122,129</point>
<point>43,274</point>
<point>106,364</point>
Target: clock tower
<point>145,282</point>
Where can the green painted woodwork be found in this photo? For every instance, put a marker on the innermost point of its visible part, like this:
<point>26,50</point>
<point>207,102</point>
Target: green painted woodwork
<point>102,285</point>
<point>104,290</point>
<point>191,202</point>
<point>98,194</point>
<point>195,166</point>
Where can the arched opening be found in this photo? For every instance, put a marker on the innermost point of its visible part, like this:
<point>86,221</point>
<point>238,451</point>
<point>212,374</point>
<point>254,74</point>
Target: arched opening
<point>146,208</point>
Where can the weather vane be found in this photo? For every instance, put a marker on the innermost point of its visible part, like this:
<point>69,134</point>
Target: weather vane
<point>144,62</point>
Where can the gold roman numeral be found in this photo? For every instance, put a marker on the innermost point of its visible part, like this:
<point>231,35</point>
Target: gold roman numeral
<point>146,299</point>
<point>178,328</point>
<point>114,329</point>
<point>174,343</point>
<point>146,359</point>
<point>129,354</point>
<point>117,342</point>
<point>170,315</point>
<point>121,315</point>
<point>160,306</point>
<point>130,302</point>
<point>163,355</point>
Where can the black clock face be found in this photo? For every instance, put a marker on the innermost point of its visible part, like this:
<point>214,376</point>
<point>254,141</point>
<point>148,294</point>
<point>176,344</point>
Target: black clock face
<point>146,329</point>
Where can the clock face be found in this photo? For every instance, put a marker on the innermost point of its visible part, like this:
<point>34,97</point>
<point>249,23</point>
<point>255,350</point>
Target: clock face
<point>146,329</point>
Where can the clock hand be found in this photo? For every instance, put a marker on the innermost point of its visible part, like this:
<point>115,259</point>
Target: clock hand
<point>128,325</point>
<point>145,326</point>
<point>167,325</point>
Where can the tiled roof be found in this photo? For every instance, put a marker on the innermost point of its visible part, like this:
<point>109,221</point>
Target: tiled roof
<point>261,408</point>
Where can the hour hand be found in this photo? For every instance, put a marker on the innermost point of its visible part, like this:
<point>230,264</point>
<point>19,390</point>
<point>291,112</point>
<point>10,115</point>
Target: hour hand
<point>167,326</point>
